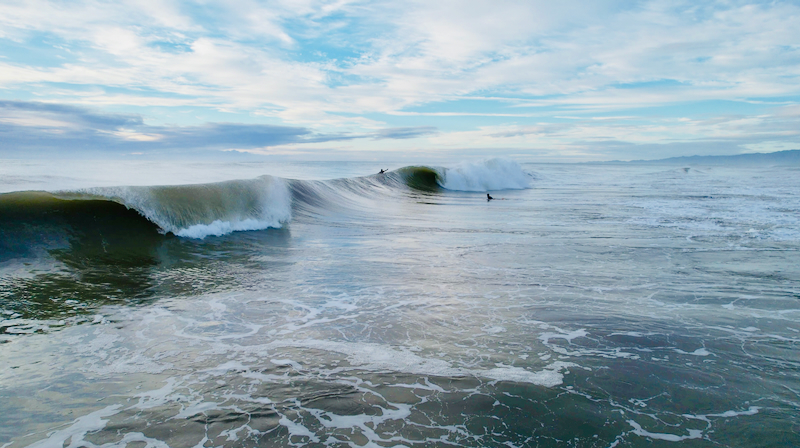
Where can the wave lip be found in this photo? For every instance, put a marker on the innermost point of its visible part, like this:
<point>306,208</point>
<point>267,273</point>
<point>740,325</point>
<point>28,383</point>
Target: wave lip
<point>486,175</point>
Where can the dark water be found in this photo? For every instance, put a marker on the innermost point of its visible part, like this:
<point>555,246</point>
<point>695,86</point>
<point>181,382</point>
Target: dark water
<point>603,306</point>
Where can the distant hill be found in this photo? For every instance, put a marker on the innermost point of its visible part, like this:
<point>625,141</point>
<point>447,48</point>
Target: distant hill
<point>782,158</point>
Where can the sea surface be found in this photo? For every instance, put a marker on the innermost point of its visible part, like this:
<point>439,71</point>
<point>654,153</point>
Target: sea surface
<point>148,304</point>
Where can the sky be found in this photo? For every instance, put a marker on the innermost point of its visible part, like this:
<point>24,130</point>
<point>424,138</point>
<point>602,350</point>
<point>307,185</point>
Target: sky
<point>387,80</point>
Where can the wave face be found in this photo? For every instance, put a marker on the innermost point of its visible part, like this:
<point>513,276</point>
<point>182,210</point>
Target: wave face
<point>37,226</point>
<point>421,178</point>
<point>215,209</point>
<point>198,211</point>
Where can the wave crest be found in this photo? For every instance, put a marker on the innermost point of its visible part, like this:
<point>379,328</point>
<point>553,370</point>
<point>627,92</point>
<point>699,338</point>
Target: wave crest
<point>197,211</point>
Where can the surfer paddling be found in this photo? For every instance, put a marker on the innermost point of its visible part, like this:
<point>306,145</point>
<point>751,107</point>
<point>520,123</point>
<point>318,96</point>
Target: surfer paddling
<point>488,197</point>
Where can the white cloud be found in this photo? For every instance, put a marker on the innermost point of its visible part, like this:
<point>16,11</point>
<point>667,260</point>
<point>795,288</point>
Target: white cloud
<point>327,64</point>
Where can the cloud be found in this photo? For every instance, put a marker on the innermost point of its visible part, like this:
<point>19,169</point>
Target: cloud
<point>344,70</point>
<point>65,114</point>
<point>404,133</point>
<point>53,128</point>
<point>421,52</point>
<point>226,135</point>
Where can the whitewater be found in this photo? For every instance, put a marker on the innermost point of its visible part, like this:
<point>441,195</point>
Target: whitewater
<point>147,304</point>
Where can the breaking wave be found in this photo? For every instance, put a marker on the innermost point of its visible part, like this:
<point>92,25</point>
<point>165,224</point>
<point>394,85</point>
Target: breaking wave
<point>202,210</point>
<point>197,211</point>
<point>480,176</point>
<point>487,175</point>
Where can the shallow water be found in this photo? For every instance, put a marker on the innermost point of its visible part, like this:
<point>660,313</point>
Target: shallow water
<point>603,306</point>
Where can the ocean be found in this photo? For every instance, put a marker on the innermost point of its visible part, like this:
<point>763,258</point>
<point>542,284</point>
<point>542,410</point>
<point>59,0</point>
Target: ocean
<point>167,304</point>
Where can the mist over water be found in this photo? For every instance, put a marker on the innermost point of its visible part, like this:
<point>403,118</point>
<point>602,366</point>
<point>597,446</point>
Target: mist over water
<point>584,306</point>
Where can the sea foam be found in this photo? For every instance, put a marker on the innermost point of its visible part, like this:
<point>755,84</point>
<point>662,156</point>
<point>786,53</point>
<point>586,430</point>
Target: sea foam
<point>485,175</point>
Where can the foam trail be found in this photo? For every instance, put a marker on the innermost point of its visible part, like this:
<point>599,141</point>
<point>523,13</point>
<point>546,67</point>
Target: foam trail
<point>486,175</point>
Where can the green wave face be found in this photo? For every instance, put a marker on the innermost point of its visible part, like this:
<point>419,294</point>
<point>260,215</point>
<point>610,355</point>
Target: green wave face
<point>37,219</point>
<point>79,255</point>
<point>421,178</point>
<point>92,253</point>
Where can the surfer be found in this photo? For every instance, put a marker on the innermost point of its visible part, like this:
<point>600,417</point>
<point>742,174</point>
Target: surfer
<point>488,198</point>
<point>382,171</point>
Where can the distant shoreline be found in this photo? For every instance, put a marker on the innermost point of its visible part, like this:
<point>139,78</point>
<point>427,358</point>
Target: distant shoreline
<point>788,157</point>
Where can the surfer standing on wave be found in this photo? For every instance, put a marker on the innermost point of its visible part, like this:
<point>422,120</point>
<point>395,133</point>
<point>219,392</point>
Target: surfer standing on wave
<point>382,171</point>
<point>488,198</point>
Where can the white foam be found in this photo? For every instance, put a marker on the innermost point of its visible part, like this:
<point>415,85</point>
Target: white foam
<point>219,228</point>
<point>287,362</point>
<point>578,351</point>
<point>551,376</point>
<point>568,336</point>
<point>297,430</point>
<point>698,352</point>
<point>637,429</point>
<point>379,357</point>
<point>75,432</point>
<point>367,423</point>
<point>155,398</point>
<point>752,410</point>
<point>486,175</point>
<point>131,437</point>
<point>197,408</point>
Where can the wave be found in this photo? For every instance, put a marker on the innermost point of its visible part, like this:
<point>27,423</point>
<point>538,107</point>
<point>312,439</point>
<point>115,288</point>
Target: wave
<point>198,211</point>
<point>202,210</point>
<point>486,175</point>
<point>420,178</point>
<point>479,176</point>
